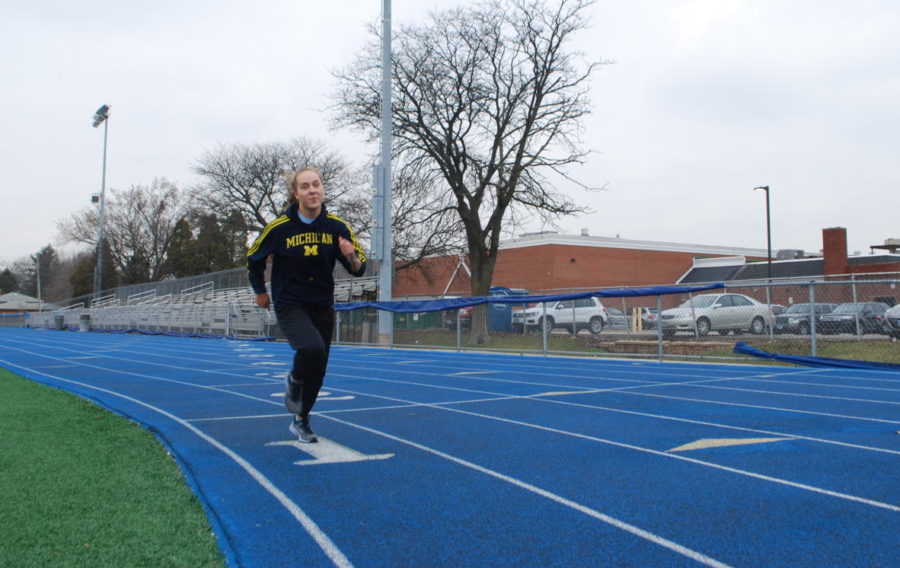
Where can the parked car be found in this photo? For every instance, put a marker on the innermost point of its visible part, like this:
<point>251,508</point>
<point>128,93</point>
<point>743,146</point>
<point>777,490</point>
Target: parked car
<point>449,317</point>
<point>853,317</point>
<point>796,318</point>
<point>573,315</point>
<point>617,319</point>
<point>723,313</point>
<point>891,322</point>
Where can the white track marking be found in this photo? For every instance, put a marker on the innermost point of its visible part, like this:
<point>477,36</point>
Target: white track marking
<point>795,485</point>
<point>637,448</point>
<point>322,396</point>
<point>621,525</point>
<point>326,451</point>
<point>707,443</point>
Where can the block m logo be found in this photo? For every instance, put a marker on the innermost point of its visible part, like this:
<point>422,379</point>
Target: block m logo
<point>310,250</point>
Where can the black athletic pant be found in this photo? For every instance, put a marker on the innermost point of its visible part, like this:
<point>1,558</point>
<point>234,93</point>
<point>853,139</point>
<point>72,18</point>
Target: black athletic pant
<point>308,328</point>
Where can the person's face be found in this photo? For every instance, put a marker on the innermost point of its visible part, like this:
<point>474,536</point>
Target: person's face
<point>309,191</point>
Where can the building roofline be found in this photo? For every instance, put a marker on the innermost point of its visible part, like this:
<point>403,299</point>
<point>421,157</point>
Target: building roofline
<point>547,238</point>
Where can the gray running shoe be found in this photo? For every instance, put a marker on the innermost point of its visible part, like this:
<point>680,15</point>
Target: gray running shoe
<point>301,429</point>
<point>292,394</point>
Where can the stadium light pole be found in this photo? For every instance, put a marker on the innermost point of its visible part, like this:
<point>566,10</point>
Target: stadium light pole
<point>101,117</point>
<point>37,268</point>
<point>768,230</point>
<point>383,183</point>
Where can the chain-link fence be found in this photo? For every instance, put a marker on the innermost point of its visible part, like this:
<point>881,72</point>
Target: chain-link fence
<point>845,318</point>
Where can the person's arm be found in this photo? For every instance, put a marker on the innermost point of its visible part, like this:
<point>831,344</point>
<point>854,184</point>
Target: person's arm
<point>352,256</point>
<point>262,300</point>
<point>256,269</point>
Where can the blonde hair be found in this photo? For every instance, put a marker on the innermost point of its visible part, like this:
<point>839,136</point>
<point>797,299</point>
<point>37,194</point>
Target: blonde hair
<point>300,171</point>
<point>290,179</point>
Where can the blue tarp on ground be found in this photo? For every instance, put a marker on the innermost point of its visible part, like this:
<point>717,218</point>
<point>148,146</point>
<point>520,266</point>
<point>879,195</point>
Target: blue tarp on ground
<point>418,306</point>
<point>742,348</point>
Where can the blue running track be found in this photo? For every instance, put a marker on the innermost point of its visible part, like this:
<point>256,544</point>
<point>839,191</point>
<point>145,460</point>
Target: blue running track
<point>473,459</point>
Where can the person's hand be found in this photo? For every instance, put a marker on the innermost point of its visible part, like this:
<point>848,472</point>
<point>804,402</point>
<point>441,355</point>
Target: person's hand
<point>262,300</point>
<point>349,252</point>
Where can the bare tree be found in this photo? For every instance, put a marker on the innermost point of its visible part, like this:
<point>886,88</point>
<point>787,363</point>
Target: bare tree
<point>247,182</point>
<point>489,97</point>
<point>424,219</point>
<point>139,226</point>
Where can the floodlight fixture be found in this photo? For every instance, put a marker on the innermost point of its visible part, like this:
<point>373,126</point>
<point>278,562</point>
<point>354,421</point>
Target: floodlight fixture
<point>101,115</point>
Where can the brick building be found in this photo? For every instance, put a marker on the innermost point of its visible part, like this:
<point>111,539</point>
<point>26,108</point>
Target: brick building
<point>834,262</point>
<point>550,262</point>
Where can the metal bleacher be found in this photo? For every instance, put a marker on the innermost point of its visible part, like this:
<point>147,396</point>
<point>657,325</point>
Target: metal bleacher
<point>201,309</point>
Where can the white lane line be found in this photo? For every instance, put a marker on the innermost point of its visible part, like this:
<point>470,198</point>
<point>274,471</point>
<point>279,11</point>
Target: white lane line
<point>624,390</point>
<point>325,543</point>
<point>751,474</point>
<point>495,397</point>
<point>621,525</point>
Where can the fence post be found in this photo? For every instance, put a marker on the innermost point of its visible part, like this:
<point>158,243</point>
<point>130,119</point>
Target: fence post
<point>659,337</point>
<point>812,317</point>
<point>543,327</point>
<point>228,308</point>
<point>855,306</point>
<point>337,332</point>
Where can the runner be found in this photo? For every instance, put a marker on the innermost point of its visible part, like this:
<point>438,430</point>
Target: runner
<point>304,241</point>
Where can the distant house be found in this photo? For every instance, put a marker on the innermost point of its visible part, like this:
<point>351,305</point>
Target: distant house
<point>15,303</point>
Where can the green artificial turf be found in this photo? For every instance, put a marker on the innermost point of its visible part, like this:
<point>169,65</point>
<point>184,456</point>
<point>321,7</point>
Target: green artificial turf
<point>83,487</point>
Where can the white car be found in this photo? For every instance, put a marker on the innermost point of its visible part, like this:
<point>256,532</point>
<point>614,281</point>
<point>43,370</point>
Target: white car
<point>573,315</point>
<point>892,322</point>
<point>723,313</point>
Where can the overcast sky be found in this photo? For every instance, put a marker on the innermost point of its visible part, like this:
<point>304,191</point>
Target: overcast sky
<point>705,100</point>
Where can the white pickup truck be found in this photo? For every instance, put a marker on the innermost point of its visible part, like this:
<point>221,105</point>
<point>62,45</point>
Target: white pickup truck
<point>573,315</point>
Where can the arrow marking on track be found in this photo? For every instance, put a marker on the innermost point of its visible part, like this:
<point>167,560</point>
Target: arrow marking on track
<point>322,396</point>
<point>725,442</point>
<point>326,451</point>
<point>563,393</point>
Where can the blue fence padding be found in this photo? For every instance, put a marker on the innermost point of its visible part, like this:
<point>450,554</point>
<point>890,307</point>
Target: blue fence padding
<point>743,349</point>
<point>418,306</point>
